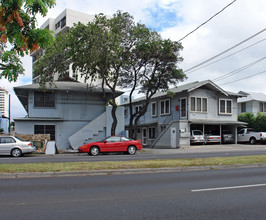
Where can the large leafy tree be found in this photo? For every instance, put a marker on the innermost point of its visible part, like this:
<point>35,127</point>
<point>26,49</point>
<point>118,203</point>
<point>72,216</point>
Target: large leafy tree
<point>19,35</point>
<point>99,49</point>
<point>119,52</point>
<point>152,67</point>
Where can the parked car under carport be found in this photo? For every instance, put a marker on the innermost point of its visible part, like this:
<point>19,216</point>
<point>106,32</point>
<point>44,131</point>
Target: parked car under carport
<point>227,137</point>
<point>219,128</point>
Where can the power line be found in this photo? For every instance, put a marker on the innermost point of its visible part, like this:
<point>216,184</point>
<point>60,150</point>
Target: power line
<point>238,70</point>
<point>207,21</point>
<point>243,78</point>
<point>200,64</point>
<point>226,56</point>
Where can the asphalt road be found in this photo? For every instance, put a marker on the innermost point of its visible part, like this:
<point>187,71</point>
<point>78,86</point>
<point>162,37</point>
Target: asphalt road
<point>213,194</point>
<point>145,155</point>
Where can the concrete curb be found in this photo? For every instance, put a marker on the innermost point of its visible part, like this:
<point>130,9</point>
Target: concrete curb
<point>123,171</point>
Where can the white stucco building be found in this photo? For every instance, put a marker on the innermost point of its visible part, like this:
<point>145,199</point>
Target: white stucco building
<point>4,102</point>
<point>63,23</point>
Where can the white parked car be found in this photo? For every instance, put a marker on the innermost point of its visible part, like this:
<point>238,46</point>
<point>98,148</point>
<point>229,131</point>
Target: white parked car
<point>212,138</point>
<point>15,147</point>
<point>197,137</point>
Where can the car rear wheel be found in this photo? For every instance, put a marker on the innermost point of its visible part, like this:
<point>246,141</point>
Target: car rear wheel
<point>16,152</point>
<point>252,141</point>
<point>94,151</point>
<point>131,150</point>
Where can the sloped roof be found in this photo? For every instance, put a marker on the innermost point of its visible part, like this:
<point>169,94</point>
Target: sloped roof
<point>65,86</point>
<point>252,96</point>
<point>192,86</point>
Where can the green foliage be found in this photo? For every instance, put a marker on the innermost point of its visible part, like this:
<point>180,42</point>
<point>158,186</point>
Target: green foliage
<point>248,118</point>
<point>18,28</point>
<point>258,122</point>
<point>10,65</point>
<point>54,60</point>
<point>12,124</point>
<point>119,52</point>
<point>170,94</point>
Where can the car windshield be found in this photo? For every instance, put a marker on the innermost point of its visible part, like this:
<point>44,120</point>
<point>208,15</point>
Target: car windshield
<point>125,139</point>
<point>113,139</point>
<point>197,133</point>
<point>116,139</point>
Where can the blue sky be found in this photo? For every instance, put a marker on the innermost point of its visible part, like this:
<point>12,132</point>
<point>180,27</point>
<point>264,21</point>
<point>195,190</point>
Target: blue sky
<point>174,19</point>
<point>162,17</point>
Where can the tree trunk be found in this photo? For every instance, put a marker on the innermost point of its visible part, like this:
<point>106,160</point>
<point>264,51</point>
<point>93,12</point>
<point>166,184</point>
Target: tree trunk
<point>131,128</point>
<point>114,124</point>
<point>132,115</point>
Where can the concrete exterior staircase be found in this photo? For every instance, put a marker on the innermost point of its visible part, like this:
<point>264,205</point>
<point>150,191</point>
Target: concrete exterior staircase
<point>93,131</point>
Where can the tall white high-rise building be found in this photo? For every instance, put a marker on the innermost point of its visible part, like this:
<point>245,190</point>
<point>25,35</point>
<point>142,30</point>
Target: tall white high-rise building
<point>4,102</point>
<point>62,23</point>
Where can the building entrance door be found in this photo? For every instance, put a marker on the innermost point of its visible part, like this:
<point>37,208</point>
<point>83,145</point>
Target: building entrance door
<point>173,137</point>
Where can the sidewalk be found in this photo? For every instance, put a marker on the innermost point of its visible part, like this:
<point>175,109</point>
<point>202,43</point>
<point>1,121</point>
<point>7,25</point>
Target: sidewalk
<point>207,149</point>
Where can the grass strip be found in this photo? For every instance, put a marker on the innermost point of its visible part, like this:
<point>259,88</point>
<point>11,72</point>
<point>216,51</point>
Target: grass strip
<point>115,165</point>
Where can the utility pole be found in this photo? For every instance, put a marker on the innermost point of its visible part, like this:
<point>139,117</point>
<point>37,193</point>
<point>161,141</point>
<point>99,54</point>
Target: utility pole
<point>9,115</point>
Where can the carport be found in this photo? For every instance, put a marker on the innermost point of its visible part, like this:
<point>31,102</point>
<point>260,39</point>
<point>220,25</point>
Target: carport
<point>217,127</point>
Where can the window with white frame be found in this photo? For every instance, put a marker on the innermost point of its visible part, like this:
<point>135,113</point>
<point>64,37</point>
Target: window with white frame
<point>225,106</point>
<point>193,104</point>
<point>198,104</point>
<point>243,107</point>
<point>151,133</point>
<point>125,112</point>
<point>262,106</point>
<point>138,108</point>
<point>204,105</point>
<point>165,107</point>
<point>153,109</point>
<point>183,108</point>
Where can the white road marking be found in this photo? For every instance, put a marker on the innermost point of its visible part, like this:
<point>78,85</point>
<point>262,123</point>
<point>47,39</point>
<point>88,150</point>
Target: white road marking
<point>229,187</point>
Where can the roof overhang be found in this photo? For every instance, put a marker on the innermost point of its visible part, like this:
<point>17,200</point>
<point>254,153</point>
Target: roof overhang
<point>39,119</point>
<point>22,92</point>
<point>145,124</point>
<point>66,86</point>
<point>215,122</point>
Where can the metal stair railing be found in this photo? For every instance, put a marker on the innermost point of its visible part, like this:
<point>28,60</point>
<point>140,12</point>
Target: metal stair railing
<point>168,121</point>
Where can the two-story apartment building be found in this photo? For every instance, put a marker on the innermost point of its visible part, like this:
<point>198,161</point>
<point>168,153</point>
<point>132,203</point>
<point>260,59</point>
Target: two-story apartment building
<point>253,103</point>
<point>69,111</point>
<point>195,106</point>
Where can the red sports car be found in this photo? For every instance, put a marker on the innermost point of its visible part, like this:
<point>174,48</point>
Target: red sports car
<point>112,144</point>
